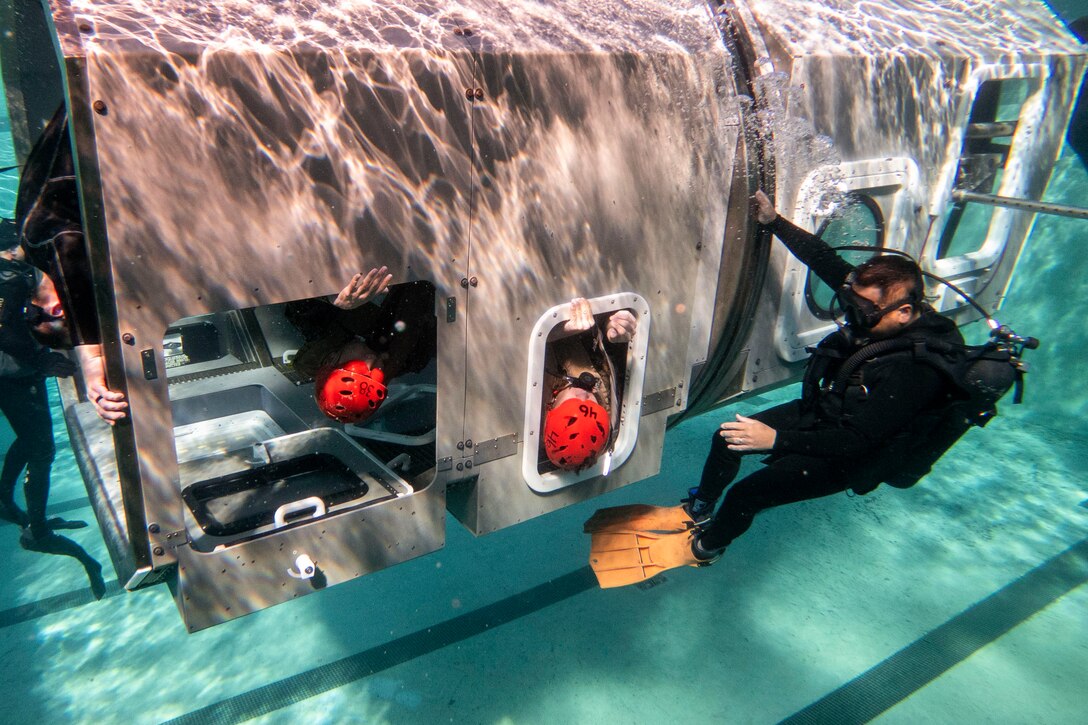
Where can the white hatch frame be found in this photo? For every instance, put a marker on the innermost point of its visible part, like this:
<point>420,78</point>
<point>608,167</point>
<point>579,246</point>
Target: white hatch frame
<point>895,182</point>
<point>967,270</point>
<point>630,405</point>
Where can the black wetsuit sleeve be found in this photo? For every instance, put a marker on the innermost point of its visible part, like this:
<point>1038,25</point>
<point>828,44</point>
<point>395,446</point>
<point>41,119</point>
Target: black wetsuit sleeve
<point>902,391</point>
<point>814,252</point>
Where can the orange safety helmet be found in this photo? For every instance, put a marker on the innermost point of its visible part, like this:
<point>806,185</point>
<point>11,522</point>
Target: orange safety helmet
<point>575,433</point>
<point>351,392</point>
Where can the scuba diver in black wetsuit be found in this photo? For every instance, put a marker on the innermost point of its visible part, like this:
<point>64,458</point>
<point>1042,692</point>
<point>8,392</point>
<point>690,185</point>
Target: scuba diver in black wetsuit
<point>24,366</point>
<point>31,311</point>
<point>862,419</point>
<point>818,443</point>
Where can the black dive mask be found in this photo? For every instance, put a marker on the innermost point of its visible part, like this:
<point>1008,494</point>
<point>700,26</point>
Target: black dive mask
<point>36,316</point>
<point>861,313</point>
<point>49,330</point>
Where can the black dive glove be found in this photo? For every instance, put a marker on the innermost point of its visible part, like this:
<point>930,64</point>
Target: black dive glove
<point>54,365</point>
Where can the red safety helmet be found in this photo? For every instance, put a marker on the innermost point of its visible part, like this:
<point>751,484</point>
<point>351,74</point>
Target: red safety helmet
<point>575,433</point>
<point>351,392</point>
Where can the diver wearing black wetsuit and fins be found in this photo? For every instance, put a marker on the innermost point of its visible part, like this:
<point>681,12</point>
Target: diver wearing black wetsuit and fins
<point>24,366</point>
<point>33,308</point>
<point>829,441</point>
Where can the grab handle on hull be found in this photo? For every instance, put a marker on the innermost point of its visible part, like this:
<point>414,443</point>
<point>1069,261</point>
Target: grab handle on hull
<point>312,502</point>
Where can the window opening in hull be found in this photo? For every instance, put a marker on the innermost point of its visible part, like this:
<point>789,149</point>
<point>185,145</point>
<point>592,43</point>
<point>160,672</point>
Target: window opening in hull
<point>858,221</point>
<point>290,412</point>
<point>567,362</point>
<point>995,116</point>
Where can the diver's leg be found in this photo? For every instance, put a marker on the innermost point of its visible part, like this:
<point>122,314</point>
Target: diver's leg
<point>33,426</point>
<point>787,480</point>
<point>14,463</point>
<point>719,470</point>
<point>722,463</point>
<point>11,399</point>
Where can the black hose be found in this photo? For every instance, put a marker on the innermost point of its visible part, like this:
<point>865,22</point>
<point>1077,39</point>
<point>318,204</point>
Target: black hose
<point>942,280</point>
<point>883,348</point>
<point>876,349</point>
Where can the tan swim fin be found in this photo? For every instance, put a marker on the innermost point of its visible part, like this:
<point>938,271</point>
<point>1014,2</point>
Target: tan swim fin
<point>620,559</point>
<point>639,517</point>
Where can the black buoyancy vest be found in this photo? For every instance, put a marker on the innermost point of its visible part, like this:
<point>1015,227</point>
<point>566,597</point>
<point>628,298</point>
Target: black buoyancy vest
<point>978,376</point>
<point>831,395</point>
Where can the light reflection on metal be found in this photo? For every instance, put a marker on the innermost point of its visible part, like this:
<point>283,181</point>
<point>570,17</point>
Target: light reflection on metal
<point>237,156</point>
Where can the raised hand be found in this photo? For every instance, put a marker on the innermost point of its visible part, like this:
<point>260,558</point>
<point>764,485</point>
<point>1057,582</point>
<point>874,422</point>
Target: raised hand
<point>110,405</point>
<point>361,288</point>
<point>763,208</point>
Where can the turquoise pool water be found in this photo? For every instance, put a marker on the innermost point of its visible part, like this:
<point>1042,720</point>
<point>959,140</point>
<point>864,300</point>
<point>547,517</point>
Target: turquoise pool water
<point>961,600</point>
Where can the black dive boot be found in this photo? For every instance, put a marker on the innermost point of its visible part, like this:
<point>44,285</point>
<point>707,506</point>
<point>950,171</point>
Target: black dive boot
<point>33,534</point>
<point>700,510</point>
<point>706,557</point>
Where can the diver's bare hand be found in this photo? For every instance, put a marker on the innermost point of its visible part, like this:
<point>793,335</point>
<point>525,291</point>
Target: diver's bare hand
<point>621,326</point>
<point>361,288</point>
<point>764,209</point>
<point>110,405</point>
<point>581,316</point>
<point>748,434</point>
